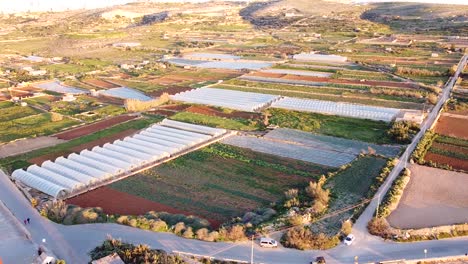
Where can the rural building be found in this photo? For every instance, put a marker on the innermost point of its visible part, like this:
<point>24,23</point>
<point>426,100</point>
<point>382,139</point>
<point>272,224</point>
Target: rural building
<point>68,98</point>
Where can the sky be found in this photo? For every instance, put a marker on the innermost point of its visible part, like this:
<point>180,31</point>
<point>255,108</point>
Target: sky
<point>12,6</point>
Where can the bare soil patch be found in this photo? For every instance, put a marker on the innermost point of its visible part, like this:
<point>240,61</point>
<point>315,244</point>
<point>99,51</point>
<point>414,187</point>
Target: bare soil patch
<point>452,126</point>
<point>89,129</point>
<point>116,202</point>
<point>433,197</point>
<point>52,156</point>
<point>175,107</point>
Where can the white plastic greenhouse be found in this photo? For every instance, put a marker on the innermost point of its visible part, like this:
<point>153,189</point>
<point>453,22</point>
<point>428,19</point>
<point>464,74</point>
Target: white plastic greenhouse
<point>40,184</point>
<point>90,168</point>
<point>338,108</point>
<point>244,101</point>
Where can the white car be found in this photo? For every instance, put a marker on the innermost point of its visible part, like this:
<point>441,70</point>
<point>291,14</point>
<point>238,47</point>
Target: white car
<point>268,242</point>
<point>349,239</point>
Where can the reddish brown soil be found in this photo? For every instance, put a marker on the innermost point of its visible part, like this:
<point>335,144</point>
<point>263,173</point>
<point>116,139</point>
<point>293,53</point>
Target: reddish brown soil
<point>451,148</point>
<point>39,160</point>
<point>102,141</point>
<point>455,163</point>
<point>110,100</point>
<point>116,202</point>
<point>205,110</point>
<point>175,107</point>
<point>170,90</point>
<point>89,129</point>
<point>100,83</point>
<point>452,126</point>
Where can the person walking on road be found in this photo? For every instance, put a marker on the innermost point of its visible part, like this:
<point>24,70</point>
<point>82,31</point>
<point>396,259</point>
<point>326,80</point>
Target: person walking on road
<point>28,220</point>
<point>24,221</point>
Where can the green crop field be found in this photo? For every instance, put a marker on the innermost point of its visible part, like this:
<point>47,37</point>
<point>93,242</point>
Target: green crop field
<point>344,127</point>
<point>220,181</point>
<point>220,122</point>
<point>349,187</point>
<point>32,126</point>
<point>15,112</point>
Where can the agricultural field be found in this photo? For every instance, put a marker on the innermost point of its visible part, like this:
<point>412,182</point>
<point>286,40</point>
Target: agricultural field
<point>452,125</point>
<point>360,94</point>
<point>23,121</point>
<point>217,183</point>
<point>75,145</point>
<point>433,197</point>
<point>343,127</point>
<point>349,187</point>
<point>448,151</point>
<point>295,144</point>
<point>219,122</point>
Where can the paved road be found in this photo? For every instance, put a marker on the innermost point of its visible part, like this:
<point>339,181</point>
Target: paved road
<point>39,227</point>
<point>74,242</point>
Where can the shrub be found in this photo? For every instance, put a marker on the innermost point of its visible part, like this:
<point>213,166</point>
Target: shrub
<point>158,225</point>
<point>402,131</point>
<point>232,233</point>
<point>346,227</point>
<point>134,105</point>
<point>296,220</point>
<point>379,227</point>
<point>188,233</point>
<point>392,197</point>
<point>179,228</point>
<point>55,117</point>
<point>432,98</point>
<point>423,147</point>
<point>303,238</point>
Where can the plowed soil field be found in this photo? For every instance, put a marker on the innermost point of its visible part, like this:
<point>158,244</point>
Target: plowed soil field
<point>116,202</point>
<point>89,129</point>
<point>433,197</point>
<point>452,126</point>
<point>458,164</point>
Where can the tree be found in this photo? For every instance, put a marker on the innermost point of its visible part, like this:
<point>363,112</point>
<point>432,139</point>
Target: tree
<point>55,117</point>
<point>320,196</point>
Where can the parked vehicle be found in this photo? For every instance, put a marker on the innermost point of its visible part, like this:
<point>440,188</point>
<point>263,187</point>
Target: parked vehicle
<point>268,242</point>
<point>319,260</point>
<point>349,239</point>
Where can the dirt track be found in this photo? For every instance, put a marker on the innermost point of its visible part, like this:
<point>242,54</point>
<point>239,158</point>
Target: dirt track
<point>433,197</point>
<point>26,145</point>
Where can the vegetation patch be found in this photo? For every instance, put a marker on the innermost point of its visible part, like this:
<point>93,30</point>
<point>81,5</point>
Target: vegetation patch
<point>345,127</point>
<point>220,182</point>
<point>220,122</point>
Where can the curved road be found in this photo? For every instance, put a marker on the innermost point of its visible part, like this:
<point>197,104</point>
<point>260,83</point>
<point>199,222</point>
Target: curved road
<point>74,242</point>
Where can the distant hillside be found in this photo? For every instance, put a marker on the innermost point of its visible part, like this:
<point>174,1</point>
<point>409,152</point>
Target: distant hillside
<point>419,17</point>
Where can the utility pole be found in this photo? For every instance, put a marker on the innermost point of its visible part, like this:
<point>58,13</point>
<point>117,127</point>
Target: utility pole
<point>251,250</point>
<point>378,204</point>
